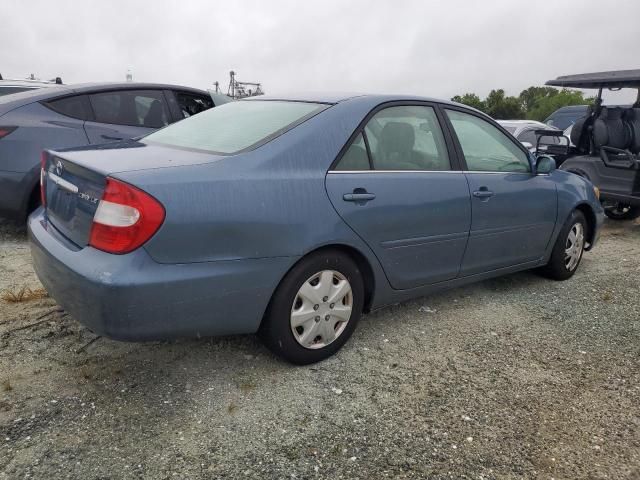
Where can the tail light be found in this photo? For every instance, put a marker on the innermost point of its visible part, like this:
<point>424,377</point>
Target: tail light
<point>125,219</point>
<point>4,131</point>
<point>43,179</point>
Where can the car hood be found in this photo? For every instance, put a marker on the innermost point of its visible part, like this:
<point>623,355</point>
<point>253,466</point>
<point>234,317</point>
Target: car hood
<point>134,155</point>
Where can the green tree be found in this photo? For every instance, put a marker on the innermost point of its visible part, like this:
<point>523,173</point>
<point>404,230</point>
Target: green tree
<point>532,95</point>
<point>500,106</point>
<point>545,106</point>
<point>470,99</point>
<point>535,103</point>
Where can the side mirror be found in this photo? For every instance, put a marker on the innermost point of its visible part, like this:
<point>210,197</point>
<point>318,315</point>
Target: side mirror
<point>545,164</point>
<point>527,145</point>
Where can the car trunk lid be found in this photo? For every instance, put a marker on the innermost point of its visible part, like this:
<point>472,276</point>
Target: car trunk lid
<point>72,193</point>
<point>75,180</point>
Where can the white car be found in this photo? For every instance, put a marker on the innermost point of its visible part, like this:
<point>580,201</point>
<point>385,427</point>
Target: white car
<point>11,85</point>
<point>525,132</point>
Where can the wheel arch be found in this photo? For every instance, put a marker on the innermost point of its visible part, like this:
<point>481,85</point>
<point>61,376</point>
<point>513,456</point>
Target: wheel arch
<point>364,265</point>
<point>590,216</point>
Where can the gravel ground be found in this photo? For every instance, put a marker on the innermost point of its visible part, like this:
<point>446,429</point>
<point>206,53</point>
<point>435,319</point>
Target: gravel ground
<point>517,377</point>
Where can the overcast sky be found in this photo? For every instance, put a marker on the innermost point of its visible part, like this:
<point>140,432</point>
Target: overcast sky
<point>428,47</point>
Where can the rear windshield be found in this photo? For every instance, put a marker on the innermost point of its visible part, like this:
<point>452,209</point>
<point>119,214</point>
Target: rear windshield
<point>235,126</point>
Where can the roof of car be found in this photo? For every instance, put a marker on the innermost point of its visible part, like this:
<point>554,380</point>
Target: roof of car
<point>86,87</point>
<point>314,97</point>
<point>9,102</point>
<point>338,97</point>
<point>613,79</point>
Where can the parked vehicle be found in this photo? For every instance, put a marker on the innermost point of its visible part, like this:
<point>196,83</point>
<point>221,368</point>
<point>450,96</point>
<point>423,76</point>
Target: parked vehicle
<point>607,143</point>
<point>538,138</point>
<point>290,217</point>
<point>13,85</point>
<point>564,117</point>
<point>59,117</point>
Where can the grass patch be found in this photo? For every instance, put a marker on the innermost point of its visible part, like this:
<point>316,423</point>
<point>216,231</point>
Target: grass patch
<point>23,294</point>
<point>6,385</point>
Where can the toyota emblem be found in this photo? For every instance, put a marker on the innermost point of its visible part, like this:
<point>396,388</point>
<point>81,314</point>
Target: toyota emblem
<point>59,168</point>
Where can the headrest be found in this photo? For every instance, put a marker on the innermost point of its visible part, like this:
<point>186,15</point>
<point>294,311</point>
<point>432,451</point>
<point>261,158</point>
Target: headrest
<point>397,137</point>
<point>610,113</point>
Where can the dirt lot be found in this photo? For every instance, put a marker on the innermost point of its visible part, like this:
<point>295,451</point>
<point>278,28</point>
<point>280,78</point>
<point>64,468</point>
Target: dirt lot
<point>517,377</point>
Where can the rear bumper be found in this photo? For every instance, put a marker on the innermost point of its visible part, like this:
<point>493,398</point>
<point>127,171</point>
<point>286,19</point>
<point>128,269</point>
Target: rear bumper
<point>131,297</point>
<point>15,189</point>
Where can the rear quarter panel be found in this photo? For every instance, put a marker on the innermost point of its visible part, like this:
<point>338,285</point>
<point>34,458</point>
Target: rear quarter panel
<point>270,202</point>
<point>39,128</point>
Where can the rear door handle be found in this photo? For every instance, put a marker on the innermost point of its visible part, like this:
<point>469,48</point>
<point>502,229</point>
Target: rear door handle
<point>483,193</point>
<point>359,195</point>
<point>107,137</point>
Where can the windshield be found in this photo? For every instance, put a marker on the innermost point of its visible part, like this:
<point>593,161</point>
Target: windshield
<point>235,126</point>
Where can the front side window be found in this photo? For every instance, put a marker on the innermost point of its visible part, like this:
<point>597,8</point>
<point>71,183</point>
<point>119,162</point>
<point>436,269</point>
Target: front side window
<point>399,138</point>
<point>192,104</point>
<point>137,108</point>
<point>235,126</point>
<point>486,148</point>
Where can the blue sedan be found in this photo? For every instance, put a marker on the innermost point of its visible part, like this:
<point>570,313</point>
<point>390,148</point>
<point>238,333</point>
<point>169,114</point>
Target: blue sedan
<point>290,217</point>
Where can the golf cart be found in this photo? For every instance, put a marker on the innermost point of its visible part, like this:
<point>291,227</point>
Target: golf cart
<point>606,142</point>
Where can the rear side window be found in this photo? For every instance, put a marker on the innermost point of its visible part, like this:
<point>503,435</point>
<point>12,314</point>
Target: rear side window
<point>235,126</point>
<point>355,158</point>
<point>400,138</point>
<point>70,106</point>
<point>486,148</point>
<point>191,104</point>
<point>137,108</point>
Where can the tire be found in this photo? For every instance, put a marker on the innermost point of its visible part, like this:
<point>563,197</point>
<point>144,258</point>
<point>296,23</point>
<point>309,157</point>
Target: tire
<point>620,211</point>
<point>303,298</point>
<point>562,266</point>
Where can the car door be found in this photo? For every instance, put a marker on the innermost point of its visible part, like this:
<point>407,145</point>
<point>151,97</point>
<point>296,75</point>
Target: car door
<point>399,188</point>
<point>513,210</point>
<point>123,114</point>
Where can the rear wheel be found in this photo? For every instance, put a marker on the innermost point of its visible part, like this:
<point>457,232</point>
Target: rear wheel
<point>620,211</point>
<point>568,249</point>
<point>315,309</point>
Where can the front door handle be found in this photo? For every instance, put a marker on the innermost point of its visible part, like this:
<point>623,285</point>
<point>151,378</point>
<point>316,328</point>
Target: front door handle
<point>359,196</point>
<point>483,192</point>
<point>107,137</point>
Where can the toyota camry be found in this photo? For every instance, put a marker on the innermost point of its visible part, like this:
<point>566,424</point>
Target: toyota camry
<point>290,217</point>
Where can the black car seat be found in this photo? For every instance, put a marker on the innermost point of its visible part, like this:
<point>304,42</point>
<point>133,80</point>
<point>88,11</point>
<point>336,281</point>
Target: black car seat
<point>395,150</point>
<point>154,117</point>
<point>580,132</point>
<point>609,130</point>
<point>632,120</point>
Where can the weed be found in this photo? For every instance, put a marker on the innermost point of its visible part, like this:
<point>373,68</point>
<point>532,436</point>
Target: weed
<point>23,294</point>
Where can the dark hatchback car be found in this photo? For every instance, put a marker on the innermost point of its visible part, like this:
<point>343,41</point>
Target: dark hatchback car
<point>79,115</point>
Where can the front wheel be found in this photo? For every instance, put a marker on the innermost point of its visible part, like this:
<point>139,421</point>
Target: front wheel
<point>315,308</point>
<point>568,249</point>
<point>620,211</point>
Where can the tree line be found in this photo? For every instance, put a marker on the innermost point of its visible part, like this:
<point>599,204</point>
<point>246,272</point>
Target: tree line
<point>534,103</point>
